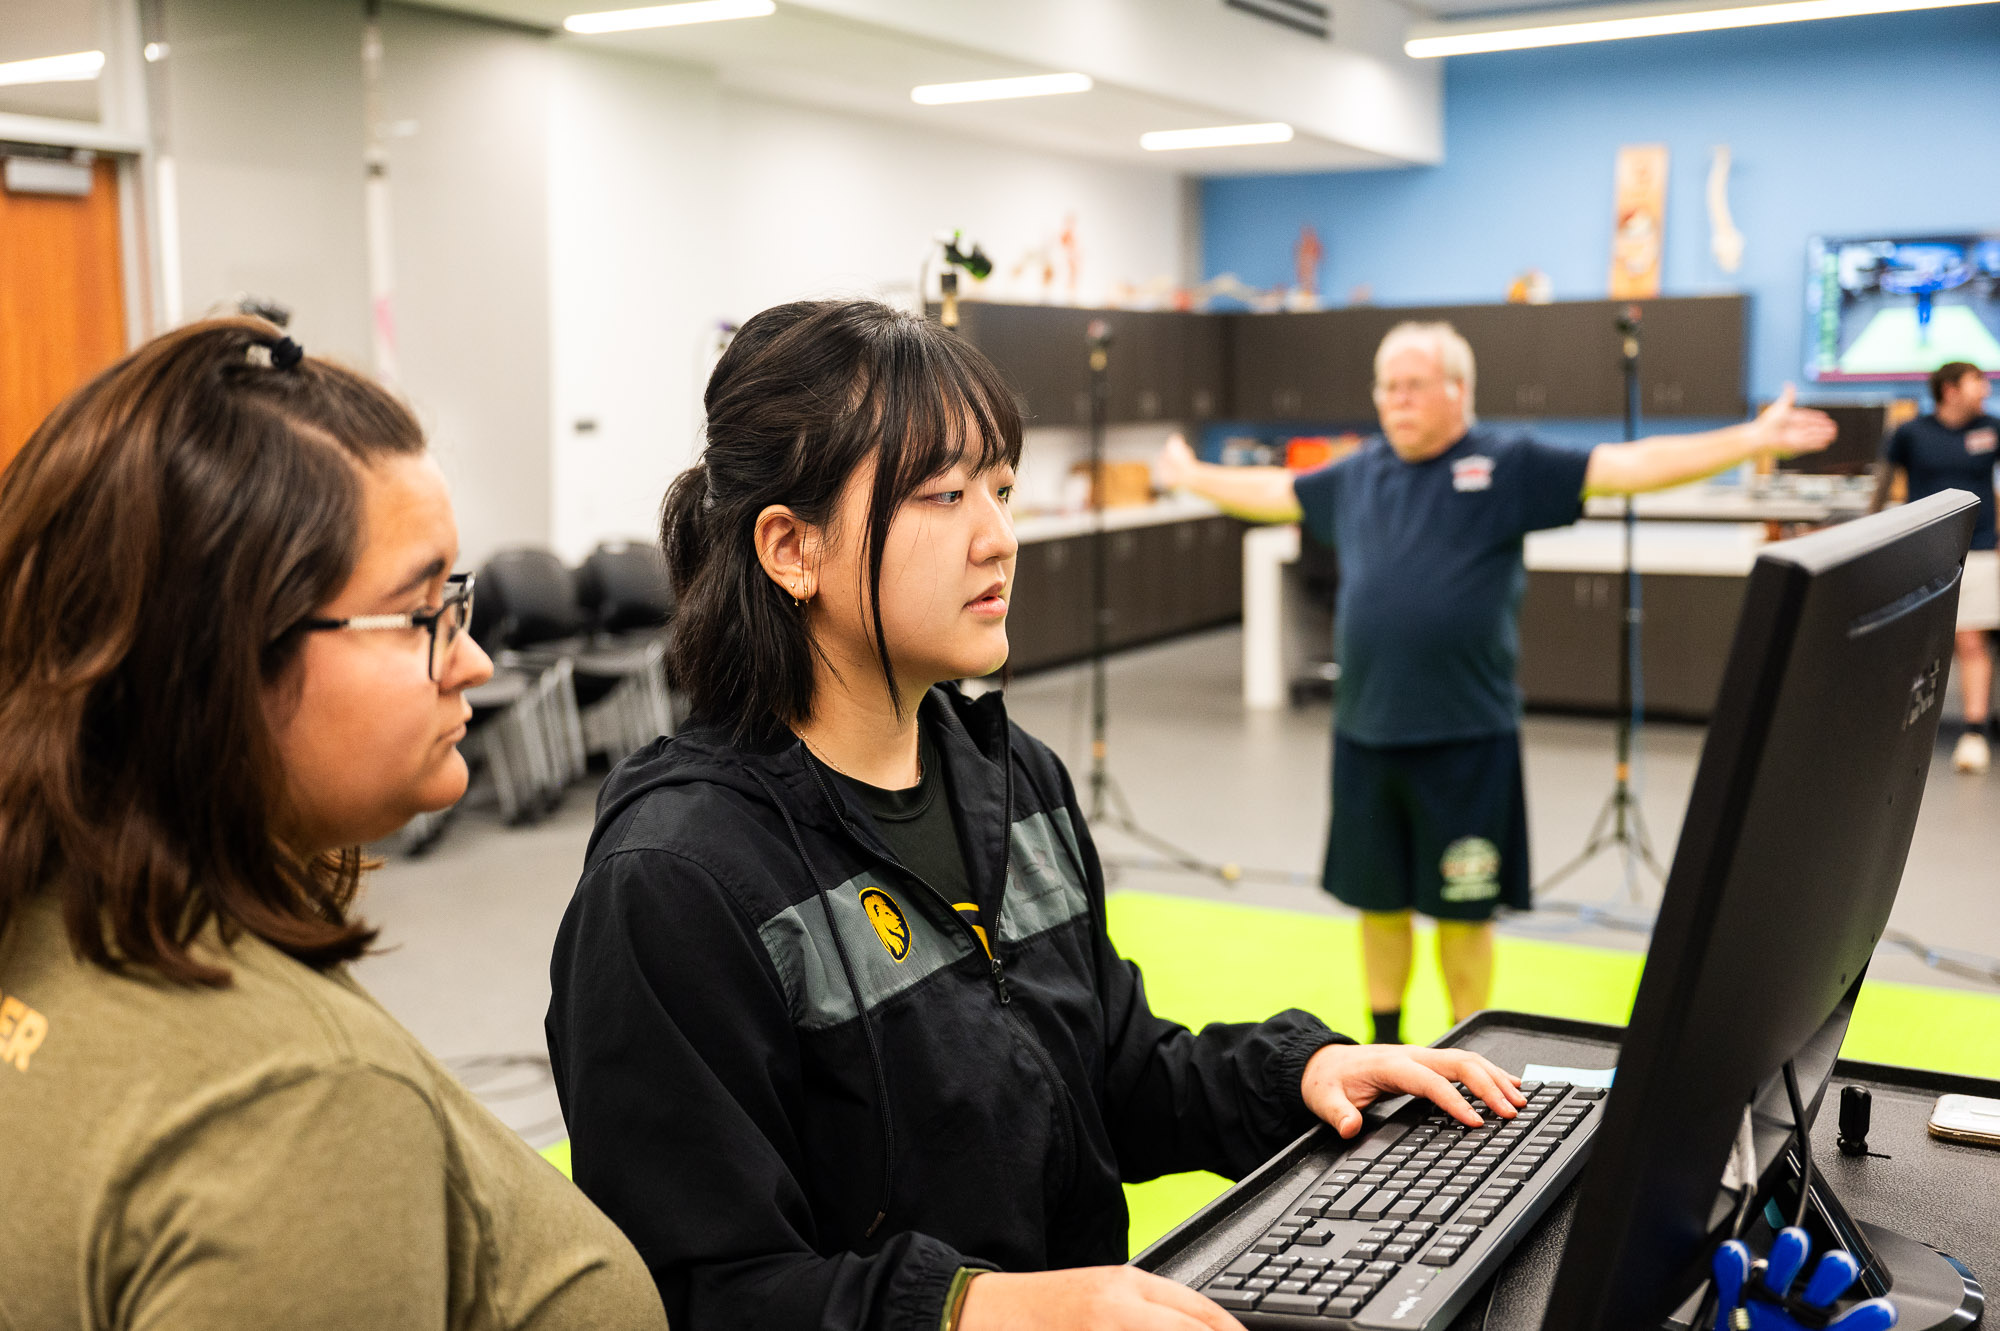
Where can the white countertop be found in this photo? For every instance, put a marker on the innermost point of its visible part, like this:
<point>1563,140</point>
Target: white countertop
<point>1716,549</point>
<point>1716,503</point>
<point>1053,526</point>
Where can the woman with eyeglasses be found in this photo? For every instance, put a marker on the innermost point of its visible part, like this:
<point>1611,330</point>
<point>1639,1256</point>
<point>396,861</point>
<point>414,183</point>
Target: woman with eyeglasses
<point>232,651</point>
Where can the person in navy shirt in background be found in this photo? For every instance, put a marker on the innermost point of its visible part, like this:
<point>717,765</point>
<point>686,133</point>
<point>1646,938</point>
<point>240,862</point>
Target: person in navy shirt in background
<point>1427,520</point>
<point>1953,449</point>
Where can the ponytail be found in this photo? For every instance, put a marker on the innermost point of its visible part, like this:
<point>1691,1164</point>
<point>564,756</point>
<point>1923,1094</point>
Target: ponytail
<point>807,393</point>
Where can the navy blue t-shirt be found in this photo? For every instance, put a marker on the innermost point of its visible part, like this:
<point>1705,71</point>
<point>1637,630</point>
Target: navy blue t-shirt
<point>1938,457</point>
<point>1431,579</point>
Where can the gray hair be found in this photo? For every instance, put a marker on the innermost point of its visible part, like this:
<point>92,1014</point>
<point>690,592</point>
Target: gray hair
<point>1452,353</point>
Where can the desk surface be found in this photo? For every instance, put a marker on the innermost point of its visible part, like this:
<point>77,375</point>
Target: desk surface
<point>1938,1192</point>
<point>1731,503</point>
<point>1054,526</point>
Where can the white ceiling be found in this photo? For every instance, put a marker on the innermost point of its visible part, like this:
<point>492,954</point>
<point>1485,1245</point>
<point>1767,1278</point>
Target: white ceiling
<point>44,28</point>
<point>819,59</point>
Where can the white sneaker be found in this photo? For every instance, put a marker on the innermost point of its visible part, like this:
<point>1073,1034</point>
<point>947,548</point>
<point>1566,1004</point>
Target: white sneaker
<point>1971,755</point>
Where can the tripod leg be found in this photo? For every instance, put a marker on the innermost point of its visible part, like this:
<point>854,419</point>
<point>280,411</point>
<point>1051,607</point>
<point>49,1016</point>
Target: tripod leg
<point>1593,846</point>
<point>1182,859</point>
<point>1642,841</point>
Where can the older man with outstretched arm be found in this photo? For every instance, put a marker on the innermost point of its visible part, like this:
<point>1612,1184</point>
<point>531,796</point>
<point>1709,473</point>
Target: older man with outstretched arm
<point>1428,520</point>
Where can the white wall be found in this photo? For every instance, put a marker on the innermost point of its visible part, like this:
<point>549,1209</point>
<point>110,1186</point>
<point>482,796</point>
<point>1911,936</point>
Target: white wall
<point>263,110</point>
<point>469,191</point>
<point>676,204</point>
<point>571,225</point>
<point>635,275</point>
<point>822,203</point>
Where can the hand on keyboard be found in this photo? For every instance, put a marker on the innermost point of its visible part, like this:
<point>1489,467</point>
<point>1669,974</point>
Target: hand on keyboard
<point>1091,1298</point>
<point>1343,1079</point>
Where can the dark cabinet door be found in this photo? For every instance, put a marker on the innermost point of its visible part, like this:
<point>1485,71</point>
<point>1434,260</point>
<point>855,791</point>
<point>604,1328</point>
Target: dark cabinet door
<point>1691,357</point>
<point>1202,391</point>
<point>1345,386</point>
<point>1578,359</point>
<point>1144,366</point>
<point>1569,640</point>
<point>1139,583</point>
<point>1048,619</point>
<point>1689,622</point>
<point>1506,376</point>
<point>1218,573</point>
<point>1271,364</point>
<point>1180,582</point>
<point>1043,353</point>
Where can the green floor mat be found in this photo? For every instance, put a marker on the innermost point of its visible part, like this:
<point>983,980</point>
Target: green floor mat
<point>1217,961</point>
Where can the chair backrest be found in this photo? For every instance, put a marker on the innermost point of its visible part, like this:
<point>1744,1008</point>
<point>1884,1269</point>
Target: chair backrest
<point>534,596</point>
<point>625,584</point>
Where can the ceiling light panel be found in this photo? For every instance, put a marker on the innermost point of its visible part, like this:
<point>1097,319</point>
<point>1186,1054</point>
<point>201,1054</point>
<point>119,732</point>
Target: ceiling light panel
<point>995,90</point>
<point>1433,40</point>
<point>78,67</point>
<point>668,16</point>
<point>1219,136</point>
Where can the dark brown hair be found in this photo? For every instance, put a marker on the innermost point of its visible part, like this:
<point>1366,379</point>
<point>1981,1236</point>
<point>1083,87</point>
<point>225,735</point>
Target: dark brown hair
<point>1948,374</point>
<point>162,536</point>
<point>806,393</point>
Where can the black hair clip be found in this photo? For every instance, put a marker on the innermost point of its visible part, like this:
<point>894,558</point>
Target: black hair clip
<point>286,353</point>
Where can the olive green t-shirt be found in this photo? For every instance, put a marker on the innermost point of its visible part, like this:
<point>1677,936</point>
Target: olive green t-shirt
<point>276,1153</point>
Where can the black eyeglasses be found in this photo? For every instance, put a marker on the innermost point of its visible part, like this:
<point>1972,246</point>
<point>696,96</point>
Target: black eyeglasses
<point>445,623</point>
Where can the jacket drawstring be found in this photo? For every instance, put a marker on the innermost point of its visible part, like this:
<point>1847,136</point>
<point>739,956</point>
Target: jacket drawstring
<point>860,1008</point>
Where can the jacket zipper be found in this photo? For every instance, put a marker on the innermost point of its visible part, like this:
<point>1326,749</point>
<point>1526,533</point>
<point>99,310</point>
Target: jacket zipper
<point>1066,1146</point>
<point>996,971</point>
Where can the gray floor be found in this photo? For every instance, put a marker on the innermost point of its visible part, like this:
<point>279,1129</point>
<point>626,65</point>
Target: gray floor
<point>467,928</point>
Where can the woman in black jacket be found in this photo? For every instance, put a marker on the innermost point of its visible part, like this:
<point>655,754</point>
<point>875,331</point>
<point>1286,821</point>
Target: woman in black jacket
<point>836,1022</point>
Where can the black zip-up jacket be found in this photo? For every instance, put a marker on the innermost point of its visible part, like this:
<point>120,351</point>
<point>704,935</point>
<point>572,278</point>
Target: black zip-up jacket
<point>794,1077</point>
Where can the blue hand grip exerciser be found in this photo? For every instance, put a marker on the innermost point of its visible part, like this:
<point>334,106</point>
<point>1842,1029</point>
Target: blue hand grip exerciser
<point>1765,1292</point>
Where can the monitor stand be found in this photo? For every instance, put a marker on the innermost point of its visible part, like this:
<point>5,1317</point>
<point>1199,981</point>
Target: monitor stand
<point>1932,1291</point>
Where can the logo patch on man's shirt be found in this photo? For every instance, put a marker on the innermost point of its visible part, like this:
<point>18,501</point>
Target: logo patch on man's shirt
<point>887,917</point>
<point>1981,440</point>
<point>1472,473</point>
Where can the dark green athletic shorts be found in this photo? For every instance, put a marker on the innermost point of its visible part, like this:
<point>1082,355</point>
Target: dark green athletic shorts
<point>1437,828</point>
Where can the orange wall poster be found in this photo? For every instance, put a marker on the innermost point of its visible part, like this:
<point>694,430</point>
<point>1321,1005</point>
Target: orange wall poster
<point>1641,221</point>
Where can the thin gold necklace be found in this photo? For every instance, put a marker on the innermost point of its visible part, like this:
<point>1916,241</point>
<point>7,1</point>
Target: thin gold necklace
<point>815,751</point>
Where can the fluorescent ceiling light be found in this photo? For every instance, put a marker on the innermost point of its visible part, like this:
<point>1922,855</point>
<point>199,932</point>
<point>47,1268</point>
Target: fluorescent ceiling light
<point>1221,136</point>
<point>78,68</point>
<point>668,16</point>
<point>1568,28</point>
<point>996,90</point>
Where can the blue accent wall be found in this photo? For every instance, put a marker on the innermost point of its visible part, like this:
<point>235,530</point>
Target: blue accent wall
<point>1885,124</point>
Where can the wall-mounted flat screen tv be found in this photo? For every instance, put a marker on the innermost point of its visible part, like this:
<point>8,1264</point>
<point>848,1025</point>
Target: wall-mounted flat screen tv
<point>1894,308</point>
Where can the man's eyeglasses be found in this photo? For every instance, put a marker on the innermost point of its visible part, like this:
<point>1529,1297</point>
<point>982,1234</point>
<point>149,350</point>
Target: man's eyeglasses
<point>444,623</point>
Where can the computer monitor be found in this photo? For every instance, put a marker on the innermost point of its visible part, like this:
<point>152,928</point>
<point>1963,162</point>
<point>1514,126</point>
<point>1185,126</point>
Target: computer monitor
<point>1789,858</point>
<point>1860,428</point>
<point>1897,307</point>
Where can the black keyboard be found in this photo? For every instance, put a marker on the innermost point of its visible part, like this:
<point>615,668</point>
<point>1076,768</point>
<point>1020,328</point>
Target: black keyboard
<point>1413,1218</point>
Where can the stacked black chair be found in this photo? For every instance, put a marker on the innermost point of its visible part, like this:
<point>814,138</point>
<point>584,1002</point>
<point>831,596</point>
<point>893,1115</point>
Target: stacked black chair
<point>579,663</point>
<point>623,586</point>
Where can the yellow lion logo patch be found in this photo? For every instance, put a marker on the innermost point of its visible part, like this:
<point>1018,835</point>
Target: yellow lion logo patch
<point>887,917</point>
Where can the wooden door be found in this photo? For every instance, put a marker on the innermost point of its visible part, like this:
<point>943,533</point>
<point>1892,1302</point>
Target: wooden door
<point>62,304</point>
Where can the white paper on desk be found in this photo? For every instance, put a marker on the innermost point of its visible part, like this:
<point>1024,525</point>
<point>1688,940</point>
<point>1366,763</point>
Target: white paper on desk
<point>1574,1076</point>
